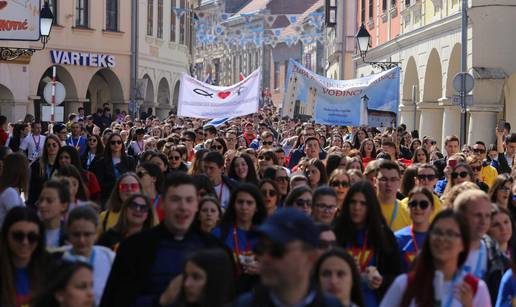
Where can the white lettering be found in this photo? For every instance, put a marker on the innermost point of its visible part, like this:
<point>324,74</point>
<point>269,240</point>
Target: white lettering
<point>102,60</point>
<point>75,58</point>
<point>65,60</point>
<point>82,59</point>
<point>93,60</point>
<point>56,56</point>
<point>111,61</point>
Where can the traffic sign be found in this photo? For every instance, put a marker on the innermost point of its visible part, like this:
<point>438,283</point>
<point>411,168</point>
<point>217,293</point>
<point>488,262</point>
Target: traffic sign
<point>469,84</point>
<point>60,93</point>
<point>456,100</point>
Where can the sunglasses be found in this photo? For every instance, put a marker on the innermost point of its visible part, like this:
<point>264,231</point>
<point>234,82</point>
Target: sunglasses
<point>479,150</point>
<point>302,202</point>
<point>138,207</point>
<point>267,143</point>
<point>343,184</point>
<point>455,175</point>
<point>427,177</point>
<point>217,147</point>
<point>92,140</point>
<point>476,168</point>
<point>282,178</point>
<point>52,145</point>
<point>116,142</point>
<point>129,187</point>
<point>19,236</point>
<point>270,193</point>
<point>186,140</point>
<point>140,174</point>
<point>175,158</point>
<point>423,204</point>
<point>274,250</point>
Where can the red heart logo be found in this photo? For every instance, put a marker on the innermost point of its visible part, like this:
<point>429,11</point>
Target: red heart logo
<point>223,95</point>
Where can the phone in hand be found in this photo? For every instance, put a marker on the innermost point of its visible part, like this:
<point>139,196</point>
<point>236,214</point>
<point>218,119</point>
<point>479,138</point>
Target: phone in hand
<point>501,125</point>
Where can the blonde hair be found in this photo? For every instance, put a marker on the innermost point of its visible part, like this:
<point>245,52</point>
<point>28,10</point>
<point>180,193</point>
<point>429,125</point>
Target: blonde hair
<point>464,199</point>
<point>452,194</point>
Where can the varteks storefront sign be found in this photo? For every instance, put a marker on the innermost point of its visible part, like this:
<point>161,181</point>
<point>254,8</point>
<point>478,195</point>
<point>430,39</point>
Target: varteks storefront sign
<point>82,59</point>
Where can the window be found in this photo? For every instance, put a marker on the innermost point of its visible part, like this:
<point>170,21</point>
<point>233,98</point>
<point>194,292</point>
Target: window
<point>276,74</point>
<point>52,4</point>
<point>173,22</point>
<point>160,19</point>
<point>182,24</point>
<point>384,5</point>
<point>362,11</point>
<point>81,13</point>
<point>112,15</point>
<point>371,7</point>
<point>150,17</point>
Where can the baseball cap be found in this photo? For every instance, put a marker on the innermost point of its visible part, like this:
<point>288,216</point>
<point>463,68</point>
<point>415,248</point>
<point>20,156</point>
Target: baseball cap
<point>289,224</point>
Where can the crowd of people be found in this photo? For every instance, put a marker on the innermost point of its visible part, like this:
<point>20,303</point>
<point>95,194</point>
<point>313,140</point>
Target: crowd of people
<point>106,210</point>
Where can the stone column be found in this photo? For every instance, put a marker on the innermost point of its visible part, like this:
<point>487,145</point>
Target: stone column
<point>406,115</point>
<point>451,119</point>
<point>482,123</point>
<point>431,120</point>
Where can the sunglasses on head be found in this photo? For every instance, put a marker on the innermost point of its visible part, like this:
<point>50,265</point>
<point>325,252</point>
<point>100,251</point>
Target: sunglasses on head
<point>423,204</point>
<point>427,177</point>
<point>343,184</point>
<point>138,207</point>
<point>20,236</point>
<point>129,187</point>
<point>116,142</point>
<point>455,175</point>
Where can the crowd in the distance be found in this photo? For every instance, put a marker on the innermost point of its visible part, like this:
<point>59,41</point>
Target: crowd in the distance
<point>109,210</point>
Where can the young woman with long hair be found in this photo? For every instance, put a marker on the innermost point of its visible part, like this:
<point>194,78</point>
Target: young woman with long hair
<point>501,230</point>
<point>152,179</point>
<point>209,214</point>
<point>316,173</point>
<point>197,168</point>
<point>367,151</point>
<point>136,215</point>
<point>242,169</point>
<point>336,273</point>
<point>246,210</point>
<point>23,259</point>
<point>43,168</point>
<point>270,193</point>
<point>437,279</point>
<point>340,181</point>
<point>301,198</point>
<point>52,207</point>
<point>362,231</point>
<point>420,155</point>
<point>500,192</point>
<point>79,193</point>
<point>94,148</point>
<point>13,183</point>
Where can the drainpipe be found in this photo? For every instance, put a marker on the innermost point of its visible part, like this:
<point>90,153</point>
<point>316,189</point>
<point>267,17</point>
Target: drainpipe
<point>134,56</point>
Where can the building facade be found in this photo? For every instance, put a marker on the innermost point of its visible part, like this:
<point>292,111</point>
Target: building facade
<point>428,48</point>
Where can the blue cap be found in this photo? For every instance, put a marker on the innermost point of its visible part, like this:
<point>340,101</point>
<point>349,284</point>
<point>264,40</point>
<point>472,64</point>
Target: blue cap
<point>290,224</point>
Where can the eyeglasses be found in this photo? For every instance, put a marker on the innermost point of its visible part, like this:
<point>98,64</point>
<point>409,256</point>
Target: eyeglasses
<point>423,204</point>
<point>116,142</point>
<point>129,187</point>
<point>476,168</point>
<point>343,184</point>
<point>325,207</point>
<point>327,244</point>
<point>78,234</point>
<point>282,178</point>
<point>426,177</point>
<point>175,158</point>
<point>138,207</point>
<point>479,150</point>
<point>140,174</point>
<point>267,143</point>
<point>52,145</point>
<point>504,189</point>
<point>455,175</point>
<point>271,193</point>
<point>441,234</point>
<point>19,236</point>
<point>303,202</point>
<point>264,158</point>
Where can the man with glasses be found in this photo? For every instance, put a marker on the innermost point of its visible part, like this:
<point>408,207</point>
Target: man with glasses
<point>188,139</point>
<point>487,172</point>
<point>288,241</point>
<point>148,262</point>
<point>324,206</point>
<point>387,184</point>
<point>485,260</point>
<point>231,139</point>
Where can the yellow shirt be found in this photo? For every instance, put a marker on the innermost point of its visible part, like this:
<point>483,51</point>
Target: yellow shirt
<point>111,221</point>
<point>438,206</point>
<point>396,220</point>
<point>488,175</point>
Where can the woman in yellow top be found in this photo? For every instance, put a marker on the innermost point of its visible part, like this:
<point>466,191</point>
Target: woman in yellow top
<point>126,185</point>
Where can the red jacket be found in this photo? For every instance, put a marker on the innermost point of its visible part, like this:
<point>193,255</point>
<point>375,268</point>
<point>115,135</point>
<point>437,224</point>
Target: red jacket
<point>3,137</point>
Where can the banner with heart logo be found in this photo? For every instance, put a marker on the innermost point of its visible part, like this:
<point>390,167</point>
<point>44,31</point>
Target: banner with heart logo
<point>201,100</point>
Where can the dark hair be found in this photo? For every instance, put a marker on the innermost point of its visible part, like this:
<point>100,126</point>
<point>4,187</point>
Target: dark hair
<point>322,170</point>
<point>62,188</point>
<point>202,182</point>
<point>356,292</point>
<point>15,141</point>
<point>74,156</point>
<point>72,171</point>
<point>376,227</point>
<point>210,128</point>
<point>414,155</point>
<point>389,165</point>
<point>214,157</point>
<point>422,190</point>
<point>408,180</point>
<point>333,162</point>
<point>499,182</point>
<point>362,149</point>
<point>15,172</point>
<point>422,292</point>
<point>107,152</point>
<point>100,145</point>
<point>251,171</point>
<point>356,141</point>
<point>38,258</point>
<point>176,179</point>
<point>202,201</point>
<point>323,191</point>
<point>222,142</point>
<point>295,194</point>
<point>219,288</point>
<point>122,225</point>
<point>61,276</point>
<point>154,171</point>
<point>230,217</point>
<point>83,213</point>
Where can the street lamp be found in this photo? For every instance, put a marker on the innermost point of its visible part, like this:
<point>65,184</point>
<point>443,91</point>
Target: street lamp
<point>364,42</point>
<point>46,20</point>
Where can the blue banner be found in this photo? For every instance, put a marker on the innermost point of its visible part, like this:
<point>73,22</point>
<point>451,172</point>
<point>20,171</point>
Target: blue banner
<point>371,101</point>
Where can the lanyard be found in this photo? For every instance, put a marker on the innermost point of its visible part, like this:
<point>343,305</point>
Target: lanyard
<point>394,213</point>
<point>140,147</point>
<point>76,145</point>
<point>155,202</point>
<point>91,156</point>
<point>236,247</point>
<point>480,259</point>
<point>360,254</point>
<point>36,144</point>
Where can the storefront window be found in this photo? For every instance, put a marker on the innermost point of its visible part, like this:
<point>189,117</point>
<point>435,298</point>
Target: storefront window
<point>112,15</point>
<point>81,13</point>
<point>150,17</point>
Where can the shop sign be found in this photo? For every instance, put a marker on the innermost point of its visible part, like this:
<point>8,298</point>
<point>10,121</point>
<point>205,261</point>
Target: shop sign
<point>61,57</point>
<point>19,20</point>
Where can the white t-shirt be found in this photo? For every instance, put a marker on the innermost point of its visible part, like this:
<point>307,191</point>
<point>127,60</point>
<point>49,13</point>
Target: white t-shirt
<point>9,199</point>
<point>34,145</point>
<point>395,294</point>
<point>223,194</point>
<point>52,236</point>
<point>472,264</point>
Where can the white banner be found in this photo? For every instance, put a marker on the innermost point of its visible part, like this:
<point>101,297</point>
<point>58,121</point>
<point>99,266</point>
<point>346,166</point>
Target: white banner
<point>19,20</point>
<point>201,100</point>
